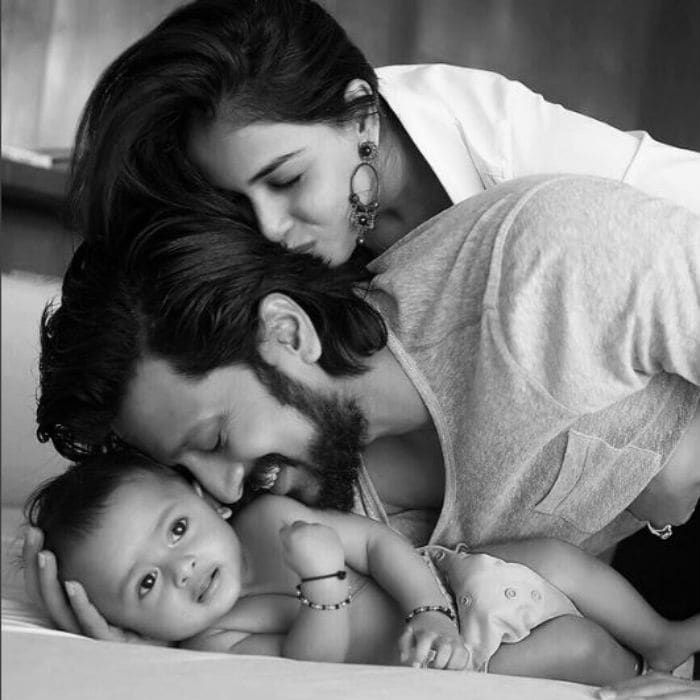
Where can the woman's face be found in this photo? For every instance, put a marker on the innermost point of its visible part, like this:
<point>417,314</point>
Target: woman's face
<point>297,177</point>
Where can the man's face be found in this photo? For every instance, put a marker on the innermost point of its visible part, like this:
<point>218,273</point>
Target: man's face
<point>229,430</point>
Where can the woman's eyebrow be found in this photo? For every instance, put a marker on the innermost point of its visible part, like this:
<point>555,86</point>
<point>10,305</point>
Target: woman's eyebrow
<point>272,166</point>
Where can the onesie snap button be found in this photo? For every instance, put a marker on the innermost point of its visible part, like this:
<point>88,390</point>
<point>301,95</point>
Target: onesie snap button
<point>510,593</point>
<point>465,600</point>
<point>536,595</point>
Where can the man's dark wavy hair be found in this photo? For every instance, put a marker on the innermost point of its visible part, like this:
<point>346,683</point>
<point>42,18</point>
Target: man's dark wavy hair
<point>186,291</point>
<point>236,60</point>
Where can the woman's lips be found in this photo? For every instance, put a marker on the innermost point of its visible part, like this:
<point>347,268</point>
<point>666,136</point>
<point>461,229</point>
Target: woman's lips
<point>304,247</point>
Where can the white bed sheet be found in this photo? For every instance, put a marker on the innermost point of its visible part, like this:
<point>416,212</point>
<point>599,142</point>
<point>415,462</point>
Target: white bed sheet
<point>39,663</point>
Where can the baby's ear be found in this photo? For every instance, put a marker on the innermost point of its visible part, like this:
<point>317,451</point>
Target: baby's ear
<point>224,511</point>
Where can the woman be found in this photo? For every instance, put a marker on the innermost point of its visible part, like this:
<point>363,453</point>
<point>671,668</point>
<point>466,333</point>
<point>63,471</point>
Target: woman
<point>271,102</point>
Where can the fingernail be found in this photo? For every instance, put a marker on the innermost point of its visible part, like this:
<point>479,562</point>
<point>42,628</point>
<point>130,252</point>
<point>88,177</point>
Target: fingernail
<point>606,694</point>
<point>41,558</point>
<point>71,588</point>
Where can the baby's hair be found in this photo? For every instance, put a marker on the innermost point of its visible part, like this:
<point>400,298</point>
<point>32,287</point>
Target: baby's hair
<point>69,507</point>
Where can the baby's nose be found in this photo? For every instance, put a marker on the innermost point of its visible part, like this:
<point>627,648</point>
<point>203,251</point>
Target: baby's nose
<point>183,570</point>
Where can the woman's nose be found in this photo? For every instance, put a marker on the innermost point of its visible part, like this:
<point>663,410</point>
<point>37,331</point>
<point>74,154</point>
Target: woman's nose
<point>274,220</point>
<point>183,569</point>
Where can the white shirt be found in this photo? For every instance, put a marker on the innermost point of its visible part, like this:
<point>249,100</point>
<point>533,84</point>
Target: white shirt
<point>477,129</point>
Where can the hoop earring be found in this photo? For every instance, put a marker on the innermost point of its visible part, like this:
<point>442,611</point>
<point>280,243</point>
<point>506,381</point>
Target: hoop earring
<point>363,213</point>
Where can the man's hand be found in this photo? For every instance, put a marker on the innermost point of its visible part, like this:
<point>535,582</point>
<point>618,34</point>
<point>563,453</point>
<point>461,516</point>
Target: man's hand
<point>69,610</point>
<point>311,549</point>
<point>431,640</point>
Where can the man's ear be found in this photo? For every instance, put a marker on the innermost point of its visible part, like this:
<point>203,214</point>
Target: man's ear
<point>367,122</point>
<point>287,333</point>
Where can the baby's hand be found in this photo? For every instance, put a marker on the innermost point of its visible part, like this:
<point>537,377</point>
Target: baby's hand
<point>431,640</point>
<point>311,549</point>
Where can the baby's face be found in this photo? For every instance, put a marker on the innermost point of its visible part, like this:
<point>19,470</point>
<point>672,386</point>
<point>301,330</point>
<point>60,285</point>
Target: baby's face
<point>162,562</point>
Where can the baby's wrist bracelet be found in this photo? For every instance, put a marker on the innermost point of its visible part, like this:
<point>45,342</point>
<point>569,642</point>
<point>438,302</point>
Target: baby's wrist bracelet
<point>341,575</point>
<point>431,608</point>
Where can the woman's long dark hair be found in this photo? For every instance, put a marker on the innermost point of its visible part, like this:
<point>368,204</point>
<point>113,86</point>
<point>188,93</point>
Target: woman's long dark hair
<point>238,60</point>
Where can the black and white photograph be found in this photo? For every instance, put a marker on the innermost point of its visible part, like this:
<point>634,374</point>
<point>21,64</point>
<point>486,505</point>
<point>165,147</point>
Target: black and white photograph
<point>350,349</point>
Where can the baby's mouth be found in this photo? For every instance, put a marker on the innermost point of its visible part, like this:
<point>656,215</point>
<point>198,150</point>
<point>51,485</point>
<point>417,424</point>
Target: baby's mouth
<point>208,586</point>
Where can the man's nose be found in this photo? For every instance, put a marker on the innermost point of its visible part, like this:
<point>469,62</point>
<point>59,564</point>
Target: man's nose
<point>182,569</point>
<point>221,477</point>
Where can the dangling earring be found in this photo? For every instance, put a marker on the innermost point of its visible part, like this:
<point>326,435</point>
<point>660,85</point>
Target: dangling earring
<point>224,511</point>
<point>363,213</point>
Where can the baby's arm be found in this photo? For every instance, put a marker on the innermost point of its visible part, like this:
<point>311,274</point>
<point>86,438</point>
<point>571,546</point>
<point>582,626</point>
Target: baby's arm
<point>602,595</point>
<point>375,550</point>
<point>317,634</point>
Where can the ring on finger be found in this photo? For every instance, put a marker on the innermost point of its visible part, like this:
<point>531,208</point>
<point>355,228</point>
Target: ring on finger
<point>430,657</point>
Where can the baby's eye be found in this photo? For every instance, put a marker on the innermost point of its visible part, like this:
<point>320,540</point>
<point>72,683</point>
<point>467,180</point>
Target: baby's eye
<point>178,529</point>
<point>147,583</point>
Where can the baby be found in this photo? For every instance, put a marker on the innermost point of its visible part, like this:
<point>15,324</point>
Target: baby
<point>157,556</point>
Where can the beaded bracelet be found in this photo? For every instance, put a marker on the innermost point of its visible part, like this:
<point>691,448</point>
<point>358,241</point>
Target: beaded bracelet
<point>431,608</point>
<point>322,606</point>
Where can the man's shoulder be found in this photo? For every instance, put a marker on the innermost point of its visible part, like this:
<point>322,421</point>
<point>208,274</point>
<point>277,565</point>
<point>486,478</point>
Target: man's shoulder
<point>483,217</point>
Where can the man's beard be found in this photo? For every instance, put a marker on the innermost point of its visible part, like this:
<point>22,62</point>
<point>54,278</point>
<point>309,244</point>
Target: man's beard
<point>334,452</point>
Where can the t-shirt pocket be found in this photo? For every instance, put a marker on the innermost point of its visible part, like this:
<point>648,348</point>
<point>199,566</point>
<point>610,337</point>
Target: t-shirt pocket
<point>597,481</point>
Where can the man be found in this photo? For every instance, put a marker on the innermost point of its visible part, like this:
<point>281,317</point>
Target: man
<point>540,376</point>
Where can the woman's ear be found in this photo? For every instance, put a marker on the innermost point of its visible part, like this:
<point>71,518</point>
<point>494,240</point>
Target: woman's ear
<point>287,333</point>
<point>368,121</point>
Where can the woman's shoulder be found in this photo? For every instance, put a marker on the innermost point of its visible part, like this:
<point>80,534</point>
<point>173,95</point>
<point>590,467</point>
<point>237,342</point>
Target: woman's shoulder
<point>446,81</point>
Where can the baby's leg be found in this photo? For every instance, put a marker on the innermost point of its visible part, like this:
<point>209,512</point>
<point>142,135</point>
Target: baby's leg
<point>567,648</point>
<point>671,648</point>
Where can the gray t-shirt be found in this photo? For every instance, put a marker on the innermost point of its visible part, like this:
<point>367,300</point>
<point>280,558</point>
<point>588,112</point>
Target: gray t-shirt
<point>552,328</point>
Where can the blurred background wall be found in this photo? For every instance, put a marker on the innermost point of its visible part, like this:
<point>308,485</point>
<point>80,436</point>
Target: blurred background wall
<point>632,63</point>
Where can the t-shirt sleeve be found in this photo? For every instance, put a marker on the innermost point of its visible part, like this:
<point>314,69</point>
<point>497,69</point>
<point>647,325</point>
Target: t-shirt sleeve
<point>598,290</point>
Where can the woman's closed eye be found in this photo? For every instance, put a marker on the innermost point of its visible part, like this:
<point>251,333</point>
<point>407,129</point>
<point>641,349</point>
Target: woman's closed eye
<point>284,183</point>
